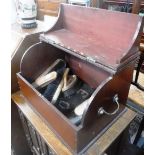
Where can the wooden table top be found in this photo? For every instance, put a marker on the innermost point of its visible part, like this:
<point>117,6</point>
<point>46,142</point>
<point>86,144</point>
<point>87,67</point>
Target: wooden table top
<point>18,34</point>
<point>55,144</point>
<point>16,28</point>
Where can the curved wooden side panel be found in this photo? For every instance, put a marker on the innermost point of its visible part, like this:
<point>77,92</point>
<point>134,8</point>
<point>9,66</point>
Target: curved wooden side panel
<point>25,43</point>
<point>93,124</point>
<point>37,58</point>
<point>58,23</point>
<point>104,96</point>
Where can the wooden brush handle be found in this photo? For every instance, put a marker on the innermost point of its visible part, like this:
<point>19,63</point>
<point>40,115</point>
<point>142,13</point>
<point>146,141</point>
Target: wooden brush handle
<point>80,108</point>
<point>69,83</point>
<point>46,79</point>
<point>58,90</point>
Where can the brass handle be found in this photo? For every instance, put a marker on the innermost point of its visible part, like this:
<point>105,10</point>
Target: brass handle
<point>102,111</point>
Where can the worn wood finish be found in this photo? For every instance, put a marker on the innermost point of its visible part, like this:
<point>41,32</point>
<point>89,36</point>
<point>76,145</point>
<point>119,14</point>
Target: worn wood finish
<point>77,138</point>
<point>98,147</point>
<point>97,54</point>
<point>117,37</point>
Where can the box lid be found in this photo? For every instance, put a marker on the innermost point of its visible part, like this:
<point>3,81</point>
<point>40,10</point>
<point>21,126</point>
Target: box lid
<point>108,39</point>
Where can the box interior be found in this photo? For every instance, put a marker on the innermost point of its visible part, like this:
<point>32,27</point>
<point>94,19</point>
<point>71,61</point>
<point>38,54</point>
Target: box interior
<point>42,55</point>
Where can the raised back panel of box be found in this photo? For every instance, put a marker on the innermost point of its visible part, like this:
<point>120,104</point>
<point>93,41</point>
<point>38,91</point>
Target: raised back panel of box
<point>106,36</point>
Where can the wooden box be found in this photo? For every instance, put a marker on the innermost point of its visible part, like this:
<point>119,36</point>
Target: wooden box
<point>101,48</point>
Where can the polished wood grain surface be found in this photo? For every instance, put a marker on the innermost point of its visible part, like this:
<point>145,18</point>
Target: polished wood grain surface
<point>86,42</point>
<point>77,139</point>
<point>54,142</point>
<point>113,38</point>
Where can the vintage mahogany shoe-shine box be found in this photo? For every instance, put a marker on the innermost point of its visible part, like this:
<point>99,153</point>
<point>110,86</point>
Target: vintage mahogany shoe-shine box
<point>101,47</point>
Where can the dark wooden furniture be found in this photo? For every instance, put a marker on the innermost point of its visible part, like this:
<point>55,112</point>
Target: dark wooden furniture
<point>21,40</point>
<point>131,6</point>
<point>110,56</point>
<point>48,7</point>
<point>42,140</point>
